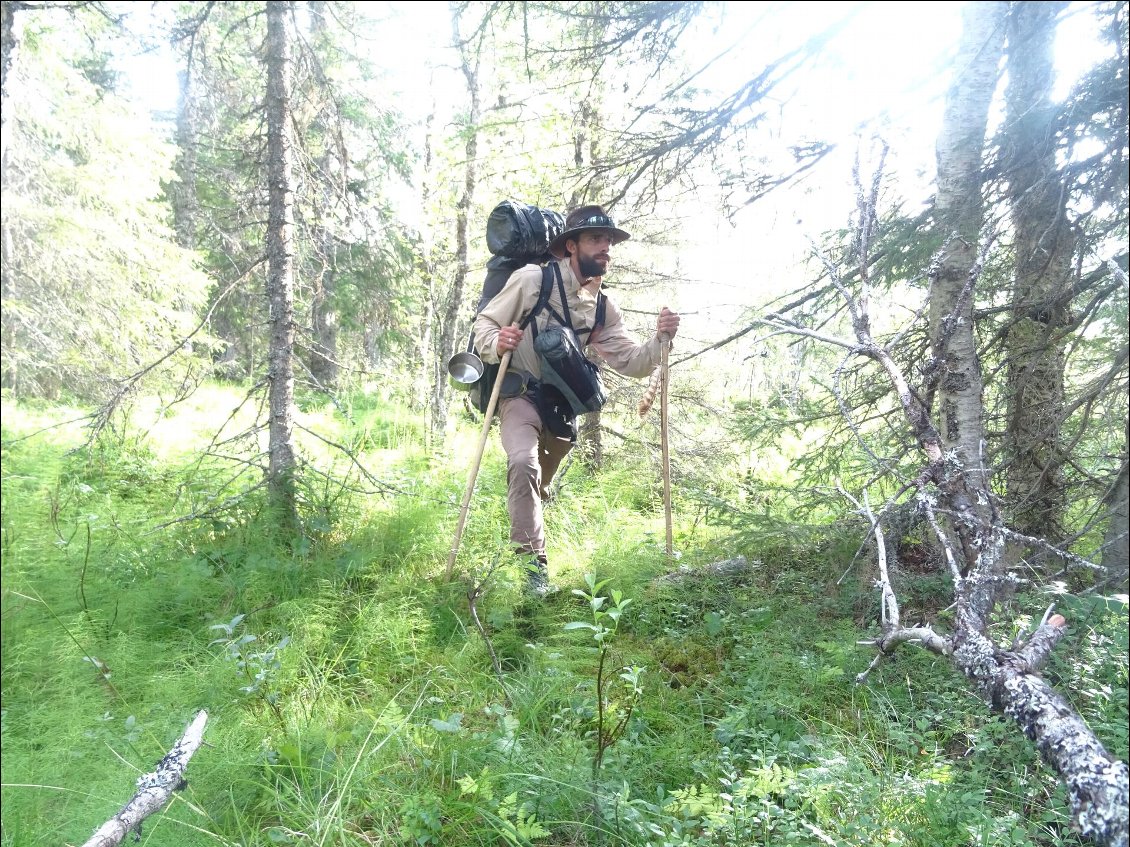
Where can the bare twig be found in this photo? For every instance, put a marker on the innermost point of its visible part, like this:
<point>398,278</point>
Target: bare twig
<point>101,417</point>
<point>475,589</point>
<point>342,448</point>
<point>889,610</point>
<point>207,513</point>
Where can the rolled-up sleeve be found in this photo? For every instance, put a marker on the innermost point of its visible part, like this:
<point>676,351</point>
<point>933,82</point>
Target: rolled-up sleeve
<point>621,351</point>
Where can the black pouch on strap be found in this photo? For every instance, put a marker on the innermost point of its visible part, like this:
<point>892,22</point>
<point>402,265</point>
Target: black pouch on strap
<point>553,409</point>
<point>567,369</point>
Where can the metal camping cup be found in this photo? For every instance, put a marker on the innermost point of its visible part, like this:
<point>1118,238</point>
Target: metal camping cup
<point>464,370</point>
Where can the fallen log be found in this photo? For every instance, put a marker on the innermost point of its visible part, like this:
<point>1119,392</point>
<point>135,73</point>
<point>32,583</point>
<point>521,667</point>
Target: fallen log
<point>724,570</point>
<point>153,789</point>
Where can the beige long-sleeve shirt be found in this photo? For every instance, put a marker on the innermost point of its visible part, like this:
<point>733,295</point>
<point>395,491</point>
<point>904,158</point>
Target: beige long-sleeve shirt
<point>613,344</point>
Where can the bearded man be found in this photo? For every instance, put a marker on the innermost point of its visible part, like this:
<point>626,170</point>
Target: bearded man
<point>537,440</point>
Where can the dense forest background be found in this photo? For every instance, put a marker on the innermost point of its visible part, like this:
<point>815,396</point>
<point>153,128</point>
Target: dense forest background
<point>240,242</point>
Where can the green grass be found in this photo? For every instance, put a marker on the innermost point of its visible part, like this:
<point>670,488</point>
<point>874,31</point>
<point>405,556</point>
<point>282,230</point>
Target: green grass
<point>352,701</point>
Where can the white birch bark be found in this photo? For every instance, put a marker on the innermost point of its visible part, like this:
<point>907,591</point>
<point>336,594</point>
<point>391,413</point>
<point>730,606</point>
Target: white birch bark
<point>1096,782</point>
<point>153,789</point>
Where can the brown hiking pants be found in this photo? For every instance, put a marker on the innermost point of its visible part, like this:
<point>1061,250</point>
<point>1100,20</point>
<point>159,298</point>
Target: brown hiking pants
<point>533,455</point>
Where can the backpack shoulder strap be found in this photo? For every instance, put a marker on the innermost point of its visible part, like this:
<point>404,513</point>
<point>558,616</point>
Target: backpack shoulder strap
<point>598,318</point>
<point>549,272</point>
<point>565,319</point>
<point>543,297</point>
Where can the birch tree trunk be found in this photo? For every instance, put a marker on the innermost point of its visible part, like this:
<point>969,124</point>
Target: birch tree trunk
<point>1044,247</point>
<point>954,368</point>
<point>280,266</point>
<point>954,485</point>
<point>154,790</point>
<point>432,360</point>
<point>1097,784</point>
<point>9,41</point>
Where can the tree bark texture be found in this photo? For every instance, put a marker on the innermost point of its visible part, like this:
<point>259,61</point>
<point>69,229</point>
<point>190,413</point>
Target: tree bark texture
<point>1044,246</point>
<point>280,264</point>
<point>955,369</point>
<point>433,361</point>
<point>590,187</point>
<point>8,42</point>
<point>469,61</point>
<point>1096,783</point>
<point>586,155</point>
<point>1116,541</point>
<point>153,789</point>
<point>324,321</point>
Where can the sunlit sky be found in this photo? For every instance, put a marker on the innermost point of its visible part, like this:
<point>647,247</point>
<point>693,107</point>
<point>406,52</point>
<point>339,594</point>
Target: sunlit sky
<point>886,72</point>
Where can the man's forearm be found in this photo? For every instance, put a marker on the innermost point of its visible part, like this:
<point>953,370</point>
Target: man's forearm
<point>486,340</point>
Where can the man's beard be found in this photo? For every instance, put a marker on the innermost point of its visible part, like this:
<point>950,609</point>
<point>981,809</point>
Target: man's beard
<point>590,267</point>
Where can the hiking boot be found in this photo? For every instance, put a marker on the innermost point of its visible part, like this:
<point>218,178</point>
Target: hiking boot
<point>537,576</point>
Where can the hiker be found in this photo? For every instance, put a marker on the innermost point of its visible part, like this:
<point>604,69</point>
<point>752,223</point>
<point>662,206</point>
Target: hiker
<point>536,441</point>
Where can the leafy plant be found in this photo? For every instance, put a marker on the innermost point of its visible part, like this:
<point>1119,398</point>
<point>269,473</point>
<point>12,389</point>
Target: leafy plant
<point>604,625</point>
<point>257,667</point>
<point>420,821</point>
<point>393,731</point>
<point>513,822</point>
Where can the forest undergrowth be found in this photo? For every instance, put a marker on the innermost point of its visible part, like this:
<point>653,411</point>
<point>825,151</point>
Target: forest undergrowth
<point>353,700</point>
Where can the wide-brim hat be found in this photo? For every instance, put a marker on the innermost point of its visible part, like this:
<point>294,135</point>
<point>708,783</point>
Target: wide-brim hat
<point>586,218</point>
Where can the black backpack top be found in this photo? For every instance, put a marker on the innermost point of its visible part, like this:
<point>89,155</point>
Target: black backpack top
<point>517,235</point>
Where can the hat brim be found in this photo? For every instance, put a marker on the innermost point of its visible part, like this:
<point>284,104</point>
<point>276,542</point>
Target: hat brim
<point>618,235</point>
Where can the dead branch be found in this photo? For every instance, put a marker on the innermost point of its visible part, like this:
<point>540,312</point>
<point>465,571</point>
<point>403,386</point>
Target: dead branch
<point>889,607</point>
<point>1097,783</point>
<point>101,417</point>
<point>153,789</point>
<point>475,589</point>
<point>353,458</point>
<point>734,337</point>
<point>208,513</point>
<point>957,486</point>
<point>729,569</point>
<point>47,429</point>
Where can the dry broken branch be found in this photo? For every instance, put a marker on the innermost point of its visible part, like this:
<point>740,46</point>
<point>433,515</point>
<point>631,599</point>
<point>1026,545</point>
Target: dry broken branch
<point>954,484</point>
<point>153,789</point>
<point>729,569</point>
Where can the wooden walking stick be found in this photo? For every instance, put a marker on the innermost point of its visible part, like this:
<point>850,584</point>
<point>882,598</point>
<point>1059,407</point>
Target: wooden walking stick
<point>663,445</point>
<point>503,365</point>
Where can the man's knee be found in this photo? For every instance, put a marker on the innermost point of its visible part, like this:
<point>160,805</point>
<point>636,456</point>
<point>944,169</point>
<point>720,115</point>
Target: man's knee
<point>525,468</point>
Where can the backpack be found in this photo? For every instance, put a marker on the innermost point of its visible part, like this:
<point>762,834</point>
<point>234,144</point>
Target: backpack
<point>518,235</point>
